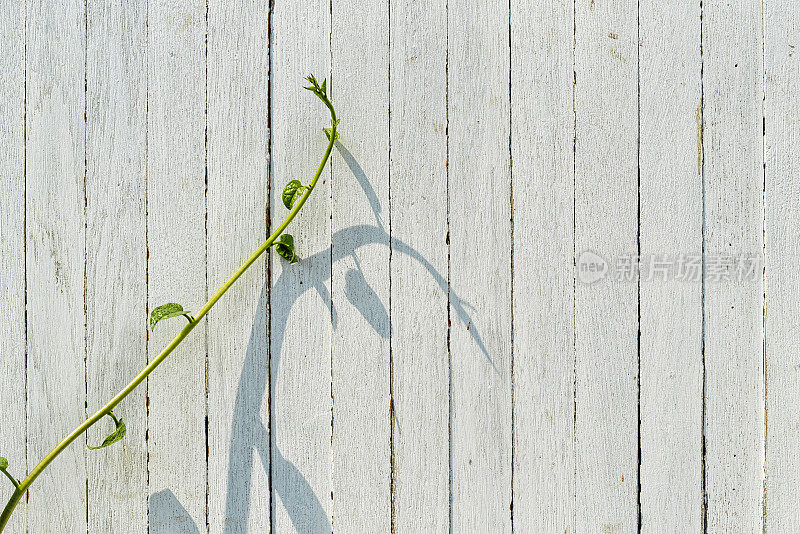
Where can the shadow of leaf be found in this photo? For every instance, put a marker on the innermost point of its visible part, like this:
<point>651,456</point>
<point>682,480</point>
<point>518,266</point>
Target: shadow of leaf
<point>366,301</point>
<point>168,516</point>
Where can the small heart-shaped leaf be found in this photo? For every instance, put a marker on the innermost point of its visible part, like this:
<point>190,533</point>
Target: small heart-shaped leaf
<point>115,436</point>
<point>293,191</point>
<point>168,311</point>
<point>285,248</point>
<point>3,464</point>
<point>328,134</point>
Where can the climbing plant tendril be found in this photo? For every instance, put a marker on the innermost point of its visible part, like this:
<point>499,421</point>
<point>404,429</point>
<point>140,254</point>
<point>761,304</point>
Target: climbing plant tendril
<point>294,196</point>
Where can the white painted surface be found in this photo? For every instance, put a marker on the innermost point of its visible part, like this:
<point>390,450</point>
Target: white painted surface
<point>55,257</point>
<point>418,219</point>
<point>671,225</point>
<point>116,259</point>
<point>176,244</point>
<point>360,356</point>
<point>12,245</point>
<point>300,294</point>
<point>479,189</point>
<point>238,195</point>
<point>734,224</point>
<point>473,137</point>
<point>606,322</point>
<point>782,247</point>
<point>542,130</point>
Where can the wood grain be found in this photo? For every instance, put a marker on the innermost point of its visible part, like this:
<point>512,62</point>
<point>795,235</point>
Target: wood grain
<point>435,361</point>
<point>360,273</point>
<point>419,270</point>
<point>542,123</point>
<point>782,246</point>
<point>116,259</point>
<point>238,350</point>
<point>12,248</point>
<point>671,227</point>
<point>55,258</point>
<point>480,266</point>
<point>734,310</point>
<point>176,222</point>
<point>606,322</point>
<point>300,295</point>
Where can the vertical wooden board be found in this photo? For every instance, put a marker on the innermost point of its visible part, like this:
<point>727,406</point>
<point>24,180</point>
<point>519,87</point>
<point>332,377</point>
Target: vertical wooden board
<point>782,137</point>
<point>542,122</point>
<point>300,301</point>
<point>671,193</point>
<point>480,265</point>
<point>360,272</point>
<point>116,261</point>
<point>55,228</point>
<point>418,220</point>
<point>176,220</point>
<point>238,354</point>
<point>734,315</point>
<point>12,248</point>
<point>606,360</point>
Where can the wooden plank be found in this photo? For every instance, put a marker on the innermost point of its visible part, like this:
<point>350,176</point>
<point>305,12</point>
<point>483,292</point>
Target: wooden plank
<point>418,220</point>
<point>12,249</point>
<point>55,228</point>
<point>606,362</point>
<point>177,259</point>
<point>734,310</point>
<point>300,329</point>
<point>480,265</point>
<point>782,280</point>
<point>671,227</point>
<point>116,262</point>
<point>238,351</point>
<point>360,273</point>
<point>542,123</point>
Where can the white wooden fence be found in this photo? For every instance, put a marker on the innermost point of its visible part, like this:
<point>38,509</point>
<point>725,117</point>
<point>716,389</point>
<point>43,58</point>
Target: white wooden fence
<point>437,361</point>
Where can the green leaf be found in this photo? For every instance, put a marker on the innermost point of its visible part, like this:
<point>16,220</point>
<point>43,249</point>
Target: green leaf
<point>319,89</point>
<point>285,248</point>
<point>3,464</point>
<point>328,133</point>
<point>168,311</point>
<point>292,192</point>
<point>115,436</point>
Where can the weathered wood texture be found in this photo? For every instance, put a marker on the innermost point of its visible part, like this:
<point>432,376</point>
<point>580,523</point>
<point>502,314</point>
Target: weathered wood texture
<point>670,227</point>
<point>300,294</point>
<point>176,245</point>
<point>782,248</point>
<point>12,245</point>
<point>419,266</point>
<point>733,146</point>
<point>116,258</point>
<point>238,181</point>
<point>606,223</point>
<point>437,361</point>
<point>479,193</point>
<point>55,237</point>
<point>360,351</point>
<point>542,133</point>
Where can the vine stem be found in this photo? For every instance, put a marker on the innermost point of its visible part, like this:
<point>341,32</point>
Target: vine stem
<point>25,484</point>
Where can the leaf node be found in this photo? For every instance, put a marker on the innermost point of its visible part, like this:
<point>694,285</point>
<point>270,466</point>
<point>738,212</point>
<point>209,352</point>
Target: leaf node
<point>115,436</point>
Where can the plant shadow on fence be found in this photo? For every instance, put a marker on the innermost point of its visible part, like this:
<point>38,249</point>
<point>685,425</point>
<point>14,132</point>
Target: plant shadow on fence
<point>249,434</point>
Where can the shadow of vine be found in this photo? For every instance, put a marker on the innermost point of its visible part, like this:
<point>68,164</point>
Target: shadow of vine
<point>249,434</point>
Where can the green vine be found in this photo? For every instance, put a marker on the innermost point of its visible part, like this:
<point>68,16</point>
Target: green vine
<point>294,196</point>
